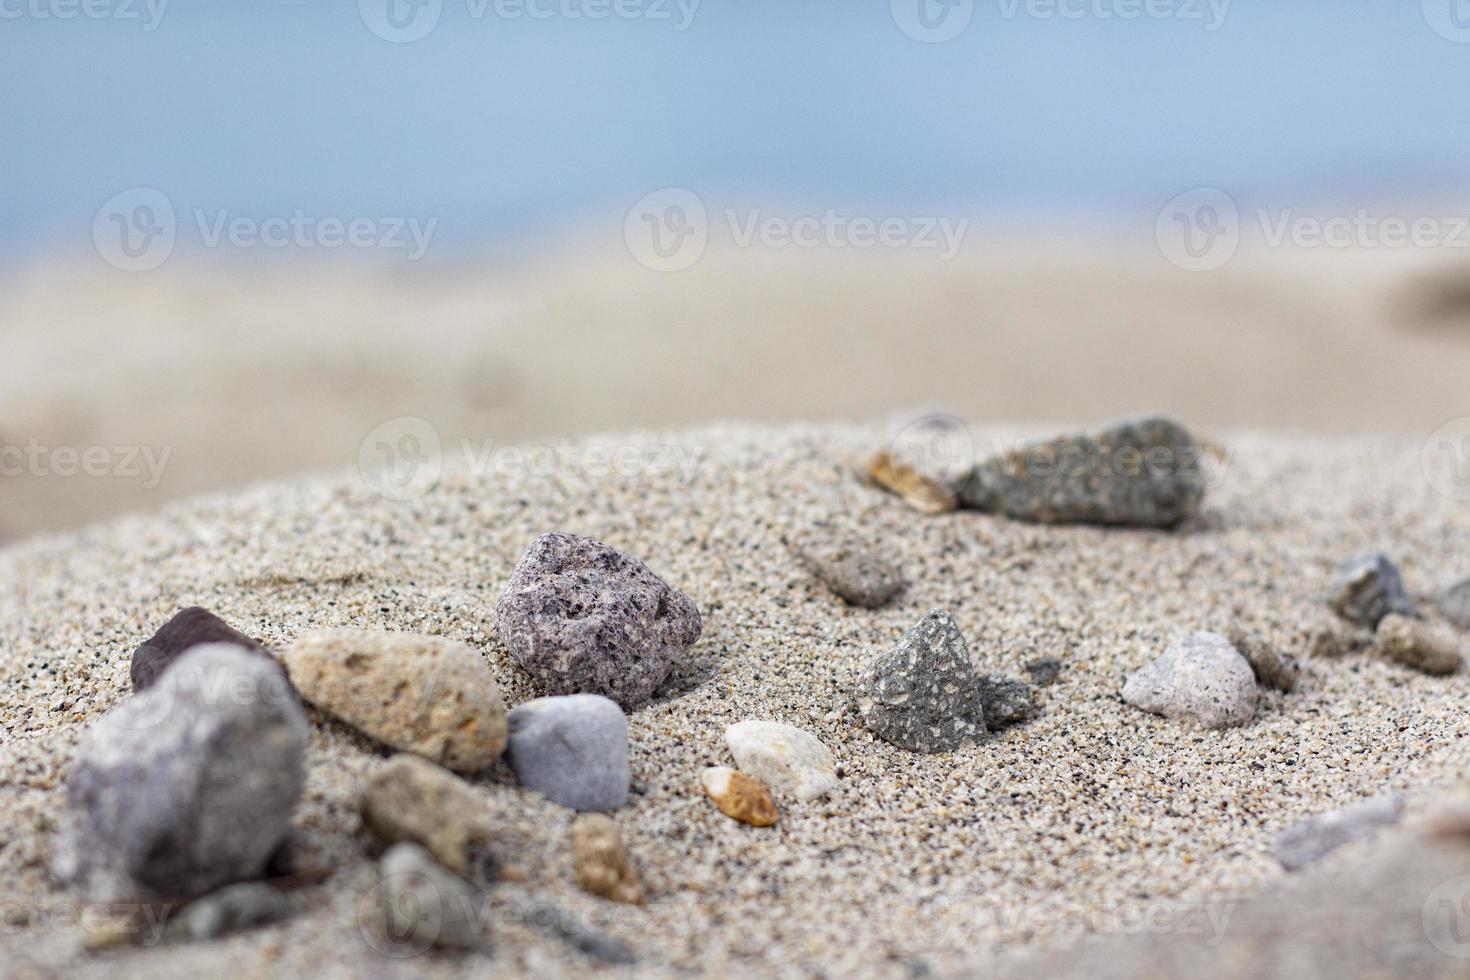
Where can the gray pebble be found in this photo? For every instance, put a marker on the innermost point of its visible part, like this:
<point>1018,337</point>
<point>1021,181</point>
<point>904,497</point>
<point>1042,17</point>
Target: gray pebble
<point>1367,588</point>
<point>577,934</point>
<point>1007,701</point>
<point>185,786</point>
<point>1272,667</point>
<point>923,694</point>
<point>572,749</point>
<point>845,563</point>
<point>1044,670</point>
<point>1315,837</point>
<point>1454,604</point>
<point>1199,678</point>
<point>1144,472</point>
<point>582,617</point>
<point>229,909</point>
<point>424,904</point>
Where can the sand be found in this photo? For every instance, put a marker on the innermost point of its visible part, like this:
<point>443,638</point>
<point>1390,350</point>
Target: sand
<point>1081,820</point>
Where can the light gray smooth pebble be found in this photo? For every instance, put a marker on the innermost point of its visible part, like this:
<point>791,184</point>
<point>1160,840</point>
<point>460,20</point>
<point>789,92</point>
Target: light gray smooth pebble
<point>426,904</point>
<point>1199,678</point>
<point>1317,836</point>
<point>572,749</point>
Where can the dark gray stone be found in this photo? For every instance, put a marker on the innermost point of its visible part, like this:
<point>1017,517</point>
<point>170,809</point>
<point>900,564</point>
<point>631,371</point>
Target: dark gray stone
<point>572,749</point>
<point>1454,604</point>
<point>188,785</point>
<point>1044,670</point>
<point>1143,472</point>
<point>1007,701</point>
<point>1367,588</point>
<point>424,904</point>
<point>1315,837</point>
<point>582,617</point>
<point>923,695</point>
<point>227,910</point>
<point>845,563</point>
<point>188,628</point>
<point>577,934</point>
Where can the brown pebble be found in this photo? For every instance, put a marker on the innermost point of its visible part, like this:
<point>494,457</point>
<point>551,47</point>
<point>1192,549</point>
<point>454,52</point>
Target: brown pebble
<point>1416,644</point>
<point>1272,667</point>
<point>600,861</point>
<point>739,796</point>
<point>411,799</point>
<point>187,629</point>
<point>924,494</point>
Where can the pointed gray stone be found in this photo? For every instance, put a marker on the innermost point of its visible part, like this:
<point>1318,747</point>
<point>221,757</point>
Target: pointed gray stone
<point>923,695</point>
<point>1367,588</point>
<point>1008,701</point>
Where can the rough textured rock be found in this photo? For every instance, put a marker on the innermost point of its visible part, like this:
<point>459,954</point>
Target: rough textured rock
<point>923,695</point>
<point>188,628</point>
<point>1199,678</point>
<point>1416,644</point>
<point>582,617</point>
<point>187,785</point>
<point>1367,588</point>
<point>1044,670</point>
<point>783,757</point>
<point>600,862</point>
<point>227,910</point>
<point>428,695</point>
<point>425,905</point>
<point>1272,667</point>
<point>411,799</point>
<point>1007,701</point>
<point>1454,604</point>
<point>572,749</point>
<point>739,796</point>
<point>1315,837</point>
<point>1144,472</point>
<point>845,563</point>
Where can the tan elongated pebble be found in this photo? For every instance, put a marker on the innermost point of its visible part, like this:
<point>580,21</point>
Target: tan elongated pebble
<point>600,862</point>
<point>409,799</point>
<point>1416,644</point>
<point>924,494</point>
<point>428,695</point>
<point>739,796</point>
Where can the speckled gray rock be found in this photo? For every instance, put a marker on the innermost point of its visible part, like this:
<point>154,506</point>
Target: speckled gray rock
<point>1367,588</point>
<point>846,564</point>
<point>923,695</point>
<point>1315,837</point>
<point>188,785</point>
<point>1007,700</point>
<point>1454,604</point>
<point>1199,678</point>
<point>582,617</point>
<point>1272,667</point>
<point>187,629</point>
<point>1416,644</point>
<point>423,904</point>
<point>1044,670</point>
<point>1144,472</point>
<point>227,910</point>
<point>572,749</point>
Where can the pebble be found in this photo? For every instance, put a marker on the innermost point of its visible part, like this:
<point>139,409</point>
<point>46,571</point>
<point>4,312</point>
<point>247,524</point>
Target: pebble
<point>1199,678</point>
<point>739,796</point>
<point>923,694</point>
<point>783,757</point>
<point>1315,837</point>
<point>925,494</point>
<point>188,785</point>
<point>1454,604</point>
<point>1142,472</point>
<point>411,799</point>
<point>1417,644</point>
<point>426,905</point>
<point>600,862</point>
<point>845,563</point>
<point>188,628</point>
<point>1367,588</point>
<point>577,934</point>
<point>1044,670</point>
<point>227,910</point>
<point>582,617</point>
<point>572,749</point>
<point>1272,667</point>
<point>428,695</point>
<point>1007,701</point>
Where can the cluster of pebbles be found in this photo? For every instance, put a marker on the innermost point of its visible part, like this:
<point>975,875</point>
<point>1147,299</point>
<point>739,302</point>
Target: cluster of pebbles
<point>182,796</point>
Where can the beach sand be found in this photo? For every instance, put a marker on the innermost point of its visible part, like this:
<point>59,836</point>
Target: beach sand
<point>1078,821</point>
